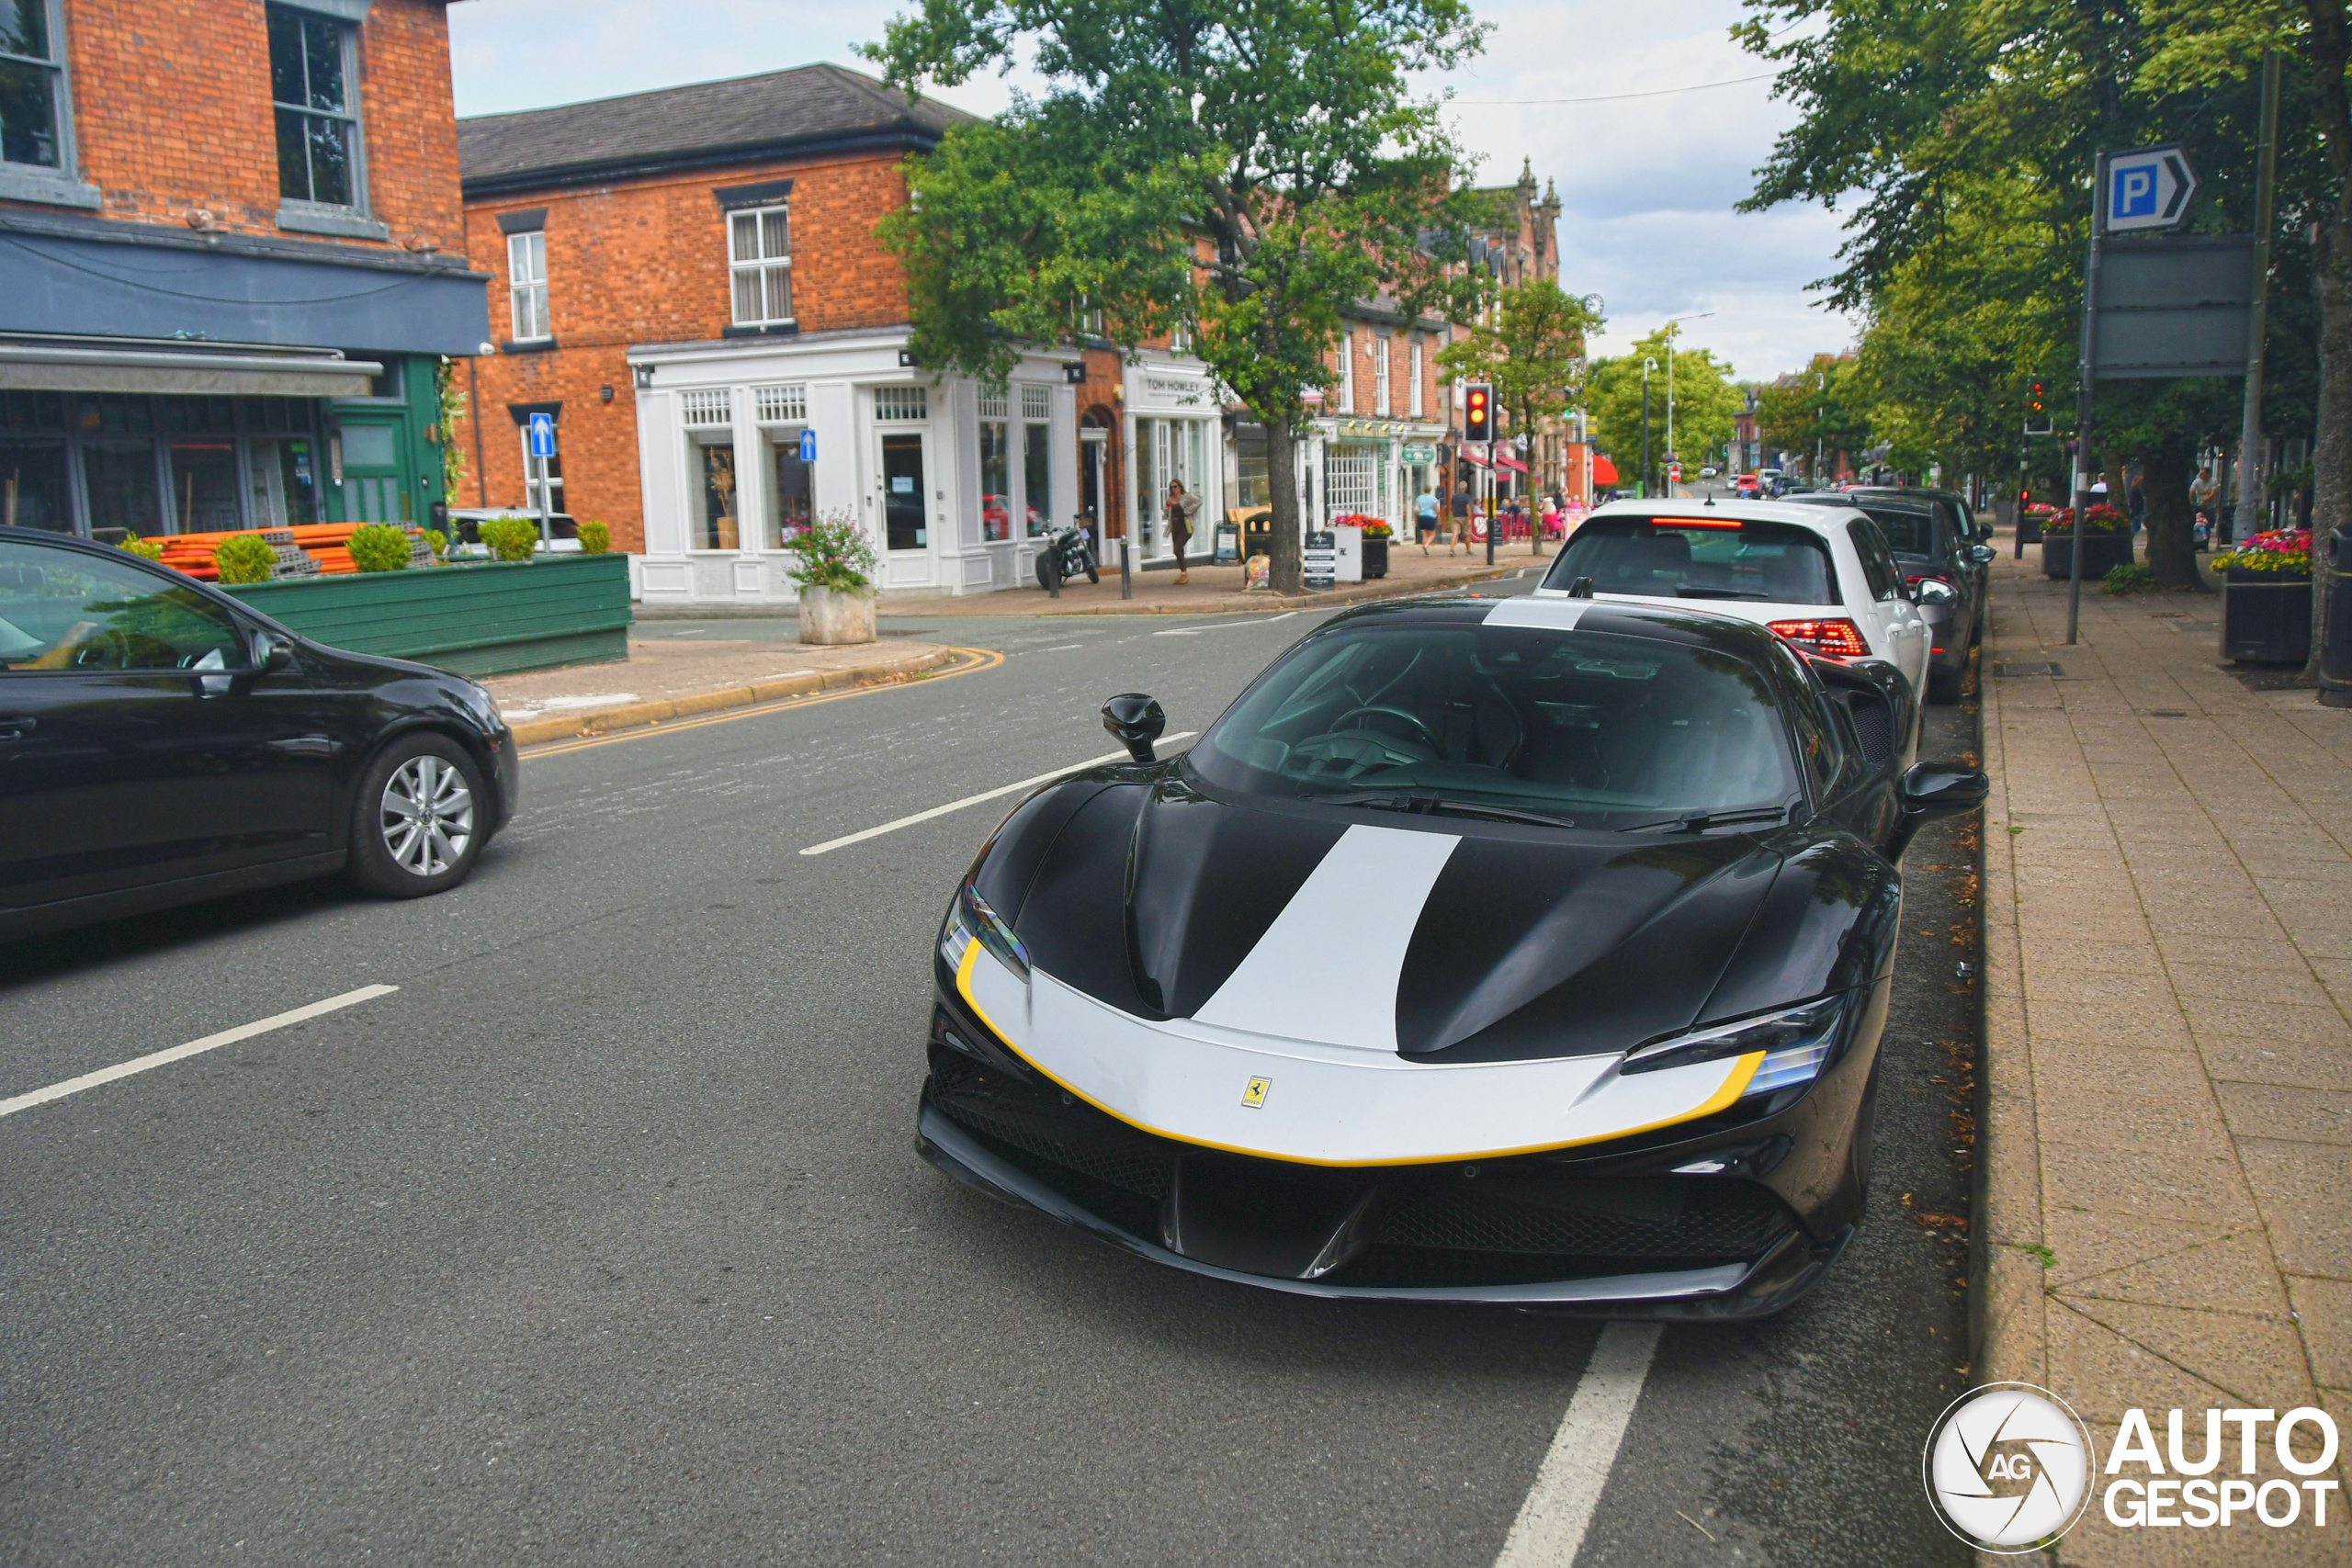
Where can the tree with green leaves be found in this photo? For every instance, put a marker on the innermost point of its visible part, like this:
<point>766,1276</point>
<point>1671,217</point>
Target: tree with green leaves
<point>1245,170</point>
<point>1531,346</point>
<point>1815,409</point>
<point>1705,401</point>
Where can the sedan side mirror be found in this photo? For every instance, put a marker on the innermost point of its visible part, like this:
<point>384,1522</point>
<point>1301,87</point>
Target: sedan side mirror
<point>1931,592</point>
<point>1985,554</point>
<point>1137,720</point>
<point>1930,790</point>
<point>271,653</point>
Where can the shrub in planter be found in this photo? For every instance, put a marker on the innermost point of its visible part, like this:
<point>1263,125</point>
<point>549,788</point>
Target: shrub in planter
<point>2107,541</point>
<point>148,549</point>
<point>596,539</point>
<point>511,538</point>
<point>244,558</point>
<point>379,547</point>
<point>437,541</point>
<point>834,557</point>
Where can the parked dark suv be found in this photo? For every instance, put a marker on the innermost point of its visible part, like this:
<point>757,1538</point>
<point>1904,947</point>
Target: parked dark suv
<point>1939,545</point>
<point>162,742</point>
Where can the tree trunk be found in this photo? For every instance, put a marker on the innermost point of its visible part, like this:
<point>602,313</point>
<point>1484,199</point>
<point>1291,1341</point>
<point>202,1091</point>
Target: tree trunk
<point>1286,564</point>
<point>2172,522</point>
<point>2331,451</point>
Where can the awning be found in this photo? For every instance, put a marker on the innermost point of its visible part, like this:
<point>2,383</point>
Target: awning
<point>1502,460</point>
<point>1604,473</point>
<point>80,365</point>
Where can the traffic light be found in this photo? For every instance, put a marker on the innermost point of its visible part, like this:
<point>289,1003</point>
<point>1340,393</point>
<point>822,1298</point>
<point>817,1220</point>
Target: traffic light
<point>2037,408</point>
<point>1479,413</point>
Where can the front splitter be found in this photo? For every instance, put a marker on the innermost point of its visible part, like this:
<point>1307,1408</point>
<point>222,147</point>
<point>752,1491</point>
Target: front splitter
<point>1724,1290</point>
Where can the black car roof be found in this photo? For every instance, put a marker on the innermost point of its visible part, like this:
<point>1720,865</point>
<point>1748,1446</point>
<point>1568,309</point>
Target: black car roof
<point>1662,623</point>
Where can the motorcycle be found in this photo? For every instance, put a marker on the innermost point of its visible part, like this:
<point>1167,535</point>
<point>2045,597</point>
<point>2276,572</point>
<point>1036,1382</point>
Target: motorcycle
<point>1067,553</point>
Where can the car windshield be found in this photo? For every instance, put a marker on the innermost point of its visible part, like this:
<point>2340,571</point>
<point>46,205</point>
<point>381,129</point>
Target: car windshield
<point>1588,729</point>
<point>1673,557</point>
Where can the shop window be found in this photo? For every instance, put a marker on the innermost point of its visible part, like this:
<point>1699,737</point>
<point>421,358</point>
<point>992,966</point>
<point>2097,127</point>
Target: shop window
<point>23,411</point>
<point>527,286</point>
<point>760,263</point>
<point>204,487</point>
<point>120,479</point>
<point>996,467</point>
<point>1037,459</point>
<point>32,486</point>
<point>715,525</point>
<point>32,84</point>
<point>312,73</point>
<point>1347,477</point>
<point>285,483</point>
<point>1253,486</point>
<point>114,414</point>
<point>792,492</point>
<point>908,403</point>
<point>199,415</point>
<point>782,405</point>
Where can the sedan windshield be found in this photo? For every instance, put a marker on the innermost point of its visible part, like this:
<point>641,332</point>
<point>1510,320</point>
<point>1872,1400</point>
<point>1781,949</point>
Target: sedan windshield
<point>1668,558</point>
<point>1579,729</point>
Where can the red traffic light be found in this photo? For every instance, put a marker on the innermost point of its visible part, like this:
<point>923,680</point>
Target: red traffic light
<point>1478,413</point>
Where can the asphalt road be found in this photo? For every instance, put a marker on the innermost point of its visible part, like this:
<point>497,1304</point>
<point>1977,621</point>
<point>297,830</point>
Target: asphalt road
<point>602,1239</point>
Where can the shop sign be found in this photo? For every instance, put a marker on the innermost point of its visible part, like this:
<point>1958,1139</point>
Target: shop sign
<point>1156,391</point>
<point>1415,453</point>
<point>1322,559</point>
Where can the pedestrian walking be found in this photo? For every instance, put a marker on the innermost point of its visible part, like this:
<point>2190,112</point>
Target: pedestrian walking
<point>1461,516</point>
<point>1425,517</point>
<point>2138,501</point>
<point>1182,507</point>
<point>2205,495</point>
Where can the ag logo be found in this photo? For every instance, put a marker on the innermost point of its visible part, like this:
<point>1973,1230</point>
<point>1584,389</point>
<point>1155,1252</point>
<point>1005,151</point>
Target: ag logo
<point>1253,1094</point>
<point>2007,1467</point>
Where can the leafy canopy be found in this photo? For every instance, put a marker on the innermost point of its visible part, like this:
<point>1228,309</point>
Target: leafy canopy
<point>1705,400</point>
<point>1530,346</point>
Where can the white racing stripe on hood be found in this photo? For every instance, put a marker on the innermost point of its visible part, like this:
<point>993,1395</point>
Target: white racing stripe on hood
<point>1326,970</point>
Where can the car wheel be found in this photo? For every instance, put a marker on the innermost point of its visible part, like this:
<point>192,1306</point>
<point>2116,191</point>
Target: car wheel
<point>417,821</point>
<point>1943,685</point>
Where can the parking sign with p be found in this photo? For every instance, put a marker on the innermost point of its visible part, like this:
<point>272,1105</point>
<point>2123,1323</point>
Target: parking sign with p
<point>2148,187</point>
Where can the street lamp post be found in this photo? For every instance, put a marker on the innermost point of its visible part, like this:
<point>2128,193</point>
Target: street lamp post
<point>1647,366</point>
<point>1671,323</point>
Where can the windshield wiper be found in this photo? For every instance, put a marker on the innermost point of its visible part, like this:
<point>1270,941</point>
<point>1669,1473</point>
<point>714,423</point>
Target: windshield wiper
<point>1437,805</point>
<point>1700,821</point>
<point>1693,590</point>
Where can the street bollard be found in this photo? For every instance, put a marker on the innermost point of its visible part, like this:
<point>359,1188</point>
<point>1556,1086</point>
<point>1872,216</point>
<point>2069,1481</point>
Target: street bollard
<point>1127,569</point>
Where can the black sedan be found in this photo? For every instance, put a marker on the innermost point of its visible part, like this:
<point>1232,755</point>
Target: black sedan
<point>1937,541</point>
<point>1533,951</point>
<point>162,742</point>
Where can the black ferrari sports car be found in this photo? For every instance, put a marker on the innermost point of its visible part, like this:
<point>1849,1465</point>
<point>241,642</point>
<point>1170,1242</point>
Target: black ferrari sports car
<point>1531,952</point>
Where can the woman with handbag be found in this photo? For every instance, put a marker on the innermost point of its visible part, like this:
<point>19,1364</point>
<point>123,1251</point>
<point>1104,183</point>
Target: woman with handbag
<point>1182,507</point>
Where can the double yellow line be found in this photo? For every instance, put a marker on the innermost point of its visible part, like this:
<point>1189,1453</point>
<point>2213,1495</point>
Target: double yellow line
<point>970,662</point>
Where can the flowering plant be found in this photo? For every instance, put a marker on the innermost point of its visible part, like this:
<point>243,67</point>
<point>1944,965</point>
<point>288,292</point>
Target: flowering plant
<point>834,553</point>
<point>2281,549</point>
<point>1374,528</point>
<point>2098,520</point>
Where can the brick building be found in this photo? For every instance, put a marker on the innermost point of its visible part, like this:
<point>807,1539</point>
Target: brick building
<point>689,281</point>
<point>231,272</point>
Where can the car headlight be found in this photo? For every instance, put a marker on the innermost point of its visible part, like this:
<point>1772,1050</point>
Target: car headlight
<point>1797,1042</point>
<point>970,919</point>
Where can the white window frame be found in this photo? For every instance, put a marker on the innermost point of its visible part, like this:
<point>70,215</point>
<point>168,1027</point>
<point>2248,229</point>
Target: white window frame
<point>1348,371</point>
<point>1349,478</point>
<point>1381,349</point>
<point>764,265</point>
<point>901,404</point>
<point>1413,396</point>
<point>527,286</point>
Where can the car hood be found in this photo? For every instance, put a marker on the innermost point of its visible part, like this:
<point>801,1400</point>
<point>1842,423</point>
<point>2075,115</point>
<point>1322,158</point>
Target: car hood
<point>1442,939</point>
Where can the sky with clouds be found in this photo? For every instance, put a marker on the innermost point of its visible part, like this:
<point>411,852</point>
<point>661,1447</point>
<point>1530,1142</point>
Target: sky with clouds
<point>1648,184</point>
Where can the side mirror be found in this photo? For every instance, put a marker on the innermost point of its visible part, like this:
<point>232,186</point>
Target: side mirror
<point>1985,554</point>
<point>1136,721</point>
<point>1930,790</point>
<point>1931,592</point>
<point>271,653</point>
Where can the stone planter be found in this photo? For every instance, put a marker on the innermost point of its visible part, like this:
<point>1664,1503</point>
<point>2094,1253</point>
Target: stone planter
<point>2267,617</point>
<point>2101,552</point>
<point>1375,558</point>
<point>832,618</point>
<point>484,618</point>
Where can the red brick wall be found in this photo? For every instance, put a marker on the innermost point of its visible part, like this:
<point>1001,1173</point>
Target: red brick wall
<point>172,113</point>
<point>645,262</point>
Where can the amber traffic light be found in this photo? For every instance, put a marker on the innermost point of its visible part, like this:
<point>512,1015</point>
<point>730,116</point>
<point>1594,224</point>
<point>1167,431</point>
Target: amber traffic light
<point>1479,413</point>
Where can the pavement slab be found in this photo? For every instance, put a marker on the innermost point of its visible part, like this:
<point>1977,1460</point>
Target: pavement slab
<point>2168,1053</point>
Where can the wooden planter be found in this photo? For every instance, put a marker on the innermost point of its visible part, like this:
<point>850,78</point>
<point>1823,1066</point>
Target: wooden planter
<point>2267,617</point>
<point>2101,553</point>
<point>1375,558</point>
<point>481,618</point>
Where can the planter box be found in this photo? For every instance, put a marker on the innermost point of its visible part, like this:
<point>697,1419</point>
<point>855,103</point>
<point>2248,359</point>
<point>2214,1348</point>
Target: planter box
<point>831,619</point>
<point>1375,558</point>
<point>2267,617</point>
<point>2030,529</point>
<point>2101,552</point>
<point>491,618</point>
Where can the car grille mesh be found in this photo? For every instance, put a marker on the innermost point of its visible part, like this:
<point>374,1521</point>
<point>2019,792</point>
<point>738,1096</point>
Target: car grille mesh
<point>1141,1171</point>
<point>1874,727</point>
<point>1729,1220</point>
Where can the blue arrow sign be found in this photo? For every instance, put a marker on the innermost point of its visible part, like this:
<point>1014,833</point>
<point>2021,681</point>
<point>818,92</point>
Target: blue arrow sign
<point>543,435</point>
<point>807,445</point>
<point>2148,187</point>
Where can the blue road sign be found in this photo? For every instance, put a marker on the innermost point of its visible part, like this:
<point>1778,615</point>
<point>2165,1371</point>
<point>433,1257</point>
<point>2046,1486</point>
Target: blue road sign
<point>2148,187</point>
<point>543,435</point>
<point>807,445</point>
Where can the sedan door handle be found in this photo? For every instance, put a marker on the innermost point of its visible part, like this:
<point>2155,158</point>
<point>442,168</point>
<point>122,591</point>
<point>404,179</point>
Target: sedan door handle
<point>17,728</point>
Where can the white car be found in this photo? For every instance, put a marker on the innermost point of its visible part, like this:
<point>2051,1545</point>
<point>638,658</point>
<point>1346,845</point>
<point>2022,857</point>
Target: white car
<point>1822,578</point>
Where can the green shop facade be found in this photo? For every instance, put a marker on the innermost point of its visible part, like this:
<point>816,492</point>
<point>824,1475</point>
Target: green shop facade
<point>156,381</point>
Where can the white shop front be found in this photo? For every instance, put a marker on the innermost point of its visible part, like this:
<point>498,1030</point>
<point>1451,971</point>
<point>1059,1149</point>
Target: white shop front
<point>742,443</point>
<point>1174,433</point>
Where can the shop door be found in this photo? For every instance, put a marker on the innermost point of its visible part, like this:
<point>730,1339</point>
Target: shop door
<point>373,481</point>
<point>905,473</point>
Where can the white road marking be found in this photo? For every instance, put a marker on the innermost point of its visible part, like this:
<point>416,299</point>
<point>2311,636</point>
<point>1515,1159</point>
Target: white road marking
<point>1061,648</point>
<point>1550,1529</point>
<point>193,1048</point>
<point>858,838</point>
<point>1223,625</point>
